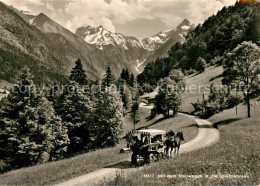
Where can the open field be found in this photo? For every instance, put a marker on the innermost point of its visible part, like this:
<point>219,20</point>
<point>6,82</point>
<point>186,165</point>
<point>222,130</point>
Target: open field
<point>200,82</point>
<point>235,159</point>
<point>196,85</point>
<point>56,172</point>
<point>230,114</point>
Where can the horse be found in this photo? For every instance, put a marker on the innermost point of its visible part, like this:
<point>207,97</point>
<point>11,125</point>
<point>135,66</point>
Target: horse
<point>174,142</point>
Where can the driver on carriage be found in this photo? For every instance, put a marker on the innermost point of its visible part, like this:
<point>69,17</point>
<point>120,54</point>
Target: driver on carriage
<point>170,134</point>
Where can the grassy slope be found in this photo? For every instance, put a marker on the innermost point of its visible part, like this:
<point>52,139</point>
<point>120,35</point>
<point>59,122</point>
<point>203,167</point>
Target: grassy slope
<point>3,93</point>
<point>63,170</point>
<point>203,80</point>
<point>241,112</point>
<point>237,153</point>
<point>4,86</point>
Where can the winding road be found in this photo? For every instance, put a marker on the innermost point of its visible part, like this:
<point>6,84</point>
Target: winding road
<point>207,136</point>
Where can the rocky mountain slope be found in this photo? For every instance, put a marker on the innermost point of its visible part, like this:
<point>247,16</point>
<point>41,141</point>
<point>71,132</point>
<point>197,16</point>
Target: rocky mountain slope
<point>50,52</point>
<point>174,36</point>
<point>139,52</point>
<point>21,44</point>
<point>50,49</point>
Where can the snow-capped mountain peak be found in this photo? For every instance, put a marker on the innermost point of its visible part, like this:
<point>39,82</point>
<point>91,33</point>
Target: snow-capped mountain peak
<point>185,25</point>
<point>134,50</point>
<point>99,36</point>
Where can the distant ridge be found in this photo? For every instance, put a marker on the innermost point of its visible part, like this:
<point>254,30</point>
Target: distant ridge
<point>48,48</point>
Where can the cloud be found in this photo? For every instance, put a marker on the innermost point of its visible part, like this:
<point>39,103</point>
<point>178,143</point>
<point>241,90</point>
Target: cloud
<point>77,22</point>
<point>97,12</point>
<point>74,14</point>
<point>172,12</point>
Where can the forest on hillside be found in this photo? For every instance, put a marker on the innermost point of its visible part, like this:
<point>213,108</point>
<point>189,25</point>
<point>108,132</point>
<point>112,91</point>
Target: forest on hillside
<point>42,124</point>
<point>207,44</point>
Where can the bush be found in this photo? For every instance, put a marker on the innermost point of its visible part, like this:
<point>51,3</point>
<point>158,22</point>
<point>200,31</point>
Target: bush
<point>189,72</point>
<point>211,109</point>
<point>4,166</point>
<point>201,65</point>
<point>216,60</point>
<point>233,101</point>
<point>197,106</point>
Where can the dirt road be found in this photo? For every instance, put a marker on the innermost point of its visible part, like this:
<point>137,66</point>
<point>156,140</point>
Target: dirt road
<point>207,136</point>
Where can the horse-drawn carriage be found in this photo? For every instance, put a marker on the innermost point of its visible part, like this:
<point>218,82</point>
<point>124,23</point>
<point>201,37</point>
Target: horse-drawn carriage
<point>147,145</point>
<point>152,145</point>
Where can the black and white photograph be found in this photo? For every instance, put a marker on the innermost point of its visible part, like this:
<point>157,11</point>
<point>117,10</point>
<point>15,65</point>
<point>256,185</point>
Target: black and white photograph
<point>129,92</point>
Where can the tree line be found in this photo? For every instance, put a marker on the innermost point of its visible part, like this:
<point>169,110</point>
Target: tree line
<point>37,127</point>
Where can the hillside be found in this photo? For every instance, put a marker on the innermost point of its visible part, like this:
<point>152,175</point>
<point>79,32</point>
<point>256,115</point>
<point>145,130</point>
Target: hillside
<point>50,56</point>
<point>50,49</point>
<point>23,45</point>
<point>202,82</point>
<point>57,41</point>
<point>63,170</point>
<point>236,153</point>
<point>218,35</point>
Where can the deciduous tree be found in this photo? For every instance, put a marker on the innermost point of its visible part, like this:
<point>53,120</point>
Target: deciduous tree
<point>242,68</point>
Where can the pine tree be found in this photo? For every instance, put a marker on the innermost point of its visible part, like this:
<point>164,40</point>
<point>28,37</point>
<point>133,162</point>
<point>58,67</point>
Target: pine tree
<point>53,92</point>
<point>109,79</point>
<point>28,126</point>
<point>122,75</point>
<point>16,103</point>
<point>124,96</point>
<point>134,112</point>
<point>125,75</point>
<point>161,103</point>
<point>74,107</point>
<point>132,80</point>
<point>78,74</point>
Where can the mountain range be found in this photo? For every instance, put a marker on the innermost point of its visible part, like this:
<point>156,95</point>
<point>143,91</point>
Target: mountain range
<point>147,49</point>
<point>50,49</point>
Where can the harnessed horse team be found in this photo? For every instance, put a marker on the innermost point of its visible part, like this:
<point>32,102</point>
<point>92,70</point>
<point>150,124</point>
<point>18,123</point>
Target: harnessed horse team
<point>170,142</point>
<point>173,142</point>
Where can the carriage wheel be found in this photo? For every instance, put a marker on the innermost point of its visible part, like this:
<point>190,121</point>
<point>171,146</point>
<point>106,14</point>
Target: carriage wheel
<point>163,155</point>
<point>160,156</point>
<point>147,159</point>
<point>152,158</point>
<point>134,160</point>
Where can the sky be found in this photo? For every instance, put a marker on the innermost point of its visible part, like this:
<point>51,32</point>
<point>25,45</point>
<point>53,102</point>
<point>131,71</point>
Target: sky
<point>139,18</point>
